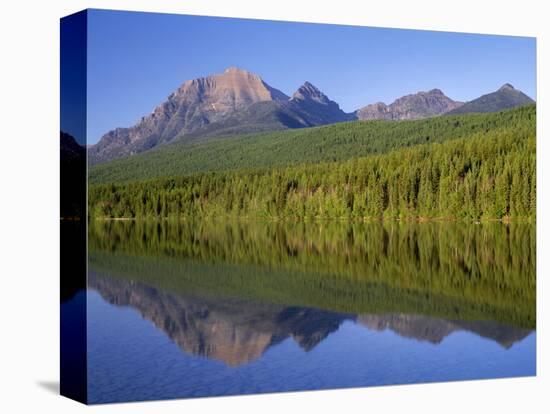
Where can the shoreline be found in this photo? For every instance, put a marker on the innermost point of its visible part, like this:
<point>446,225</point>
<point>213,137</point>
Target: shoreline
<point>504,220</point>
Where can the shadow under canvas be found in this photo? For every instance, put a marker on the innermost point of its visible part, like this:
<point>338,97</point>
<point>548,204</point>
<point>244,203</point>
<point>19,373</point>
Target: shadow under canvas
<point>50,386</point>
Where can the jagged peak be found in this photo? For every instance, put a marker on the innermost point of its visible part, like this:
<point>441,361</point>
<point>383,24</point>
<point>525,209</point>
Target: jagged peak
<point>436,91</point>
<point>507,87</point>
<point>309,91</point>
<point>309,88</point>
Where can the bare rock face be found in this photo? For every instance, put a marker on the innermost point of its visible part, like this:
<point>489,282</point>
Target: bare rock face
<point>308,107</point>
<point>196,103</point>
<point>316,107</point>
<point>415,106</point>
<point>234,102</point>
<point>309,92</point>
<point>378,110</point>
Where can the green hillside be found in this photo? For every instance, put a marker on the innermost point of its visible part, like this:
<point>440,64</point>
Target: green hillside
<point>336,142</point>
<point>489,174</point>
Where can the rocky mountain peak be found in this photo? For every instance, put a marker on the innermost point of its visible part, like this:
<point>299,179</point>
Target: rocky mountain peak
<point>310,91</point>
<point>309,88</point>
<point>506,97</point>
<point>196,104</point>
<point>234,84</point>
<point>414,106</point>
<point>235,71</point>
<point>316,107</point>
<point>507,87</point>
<point>436,92</point>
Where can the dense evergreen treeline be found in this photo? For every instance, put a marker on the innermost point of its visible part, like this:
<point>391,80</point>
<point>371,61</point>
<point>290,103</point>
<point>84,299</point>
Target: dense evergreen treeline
<point>484,271</point>
<point>329,143</point>
<point>489,174</point>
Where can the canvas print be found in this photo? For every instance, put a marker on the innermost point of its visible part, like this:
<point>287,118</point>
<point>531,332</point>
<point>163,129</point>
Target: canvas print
<point>254,206</point>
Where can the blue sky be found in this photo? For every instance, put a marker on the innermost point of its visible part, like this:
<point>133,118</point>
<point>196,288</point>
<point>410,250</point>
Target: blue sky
<point>135,60</point>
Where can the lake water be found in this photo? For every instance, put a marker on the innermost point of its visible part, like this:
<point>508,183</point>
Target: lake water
<point>181,309</point>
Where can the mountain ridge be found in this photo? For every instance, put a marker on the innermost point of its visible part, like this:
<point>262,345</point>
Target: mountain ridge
<point>506,97</point>
<point>196,103</point>
<point>238,102</point>
<point>409,107</point>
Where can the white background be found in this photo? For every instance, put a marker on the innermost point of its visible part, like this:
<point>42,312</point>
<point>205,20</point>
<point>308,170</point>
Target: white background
<point>29,193</point>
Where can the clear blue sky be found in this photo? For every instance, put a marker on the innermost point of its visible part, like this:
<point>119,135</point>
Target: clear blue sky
<point>135,60</point>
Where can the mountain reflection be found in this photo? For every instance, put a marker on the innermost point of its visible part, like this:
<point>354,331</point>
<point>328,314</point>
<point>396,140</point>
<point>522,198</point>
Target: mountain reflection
<point>237,331</point>
<point>452,271</point>
<point>433,330</point>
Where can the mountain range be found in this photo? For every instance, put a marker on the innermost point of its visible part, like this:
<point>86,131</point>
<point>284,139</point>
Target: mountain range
<point>414,106</point>
<point>240,102</point>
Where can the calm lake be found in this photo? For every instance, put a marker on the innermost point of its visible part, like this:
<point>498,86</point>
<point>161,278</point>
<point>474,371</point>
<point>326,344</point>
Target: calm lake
<point>189,309</point>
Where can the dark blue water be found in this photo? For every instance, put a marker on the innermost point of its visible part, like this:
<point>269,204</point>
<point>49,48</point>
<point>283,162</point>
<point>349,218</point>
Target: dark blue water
<point>132,359</point>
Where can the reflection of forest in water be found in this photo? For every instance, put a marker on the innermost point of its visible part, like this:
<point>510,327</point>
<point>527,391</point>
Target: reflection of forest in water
<point>451,270</point>
<point>230,290</point>
<point>238,331</point>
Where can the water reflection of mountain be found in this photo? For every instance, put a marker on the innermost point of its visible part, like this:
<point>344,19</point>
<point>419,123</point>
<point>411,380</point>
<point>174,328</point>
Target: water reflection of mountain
<point>231,330</point>
<point>434,330</point>
<point>238,331</point>
<point>454,271</point>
